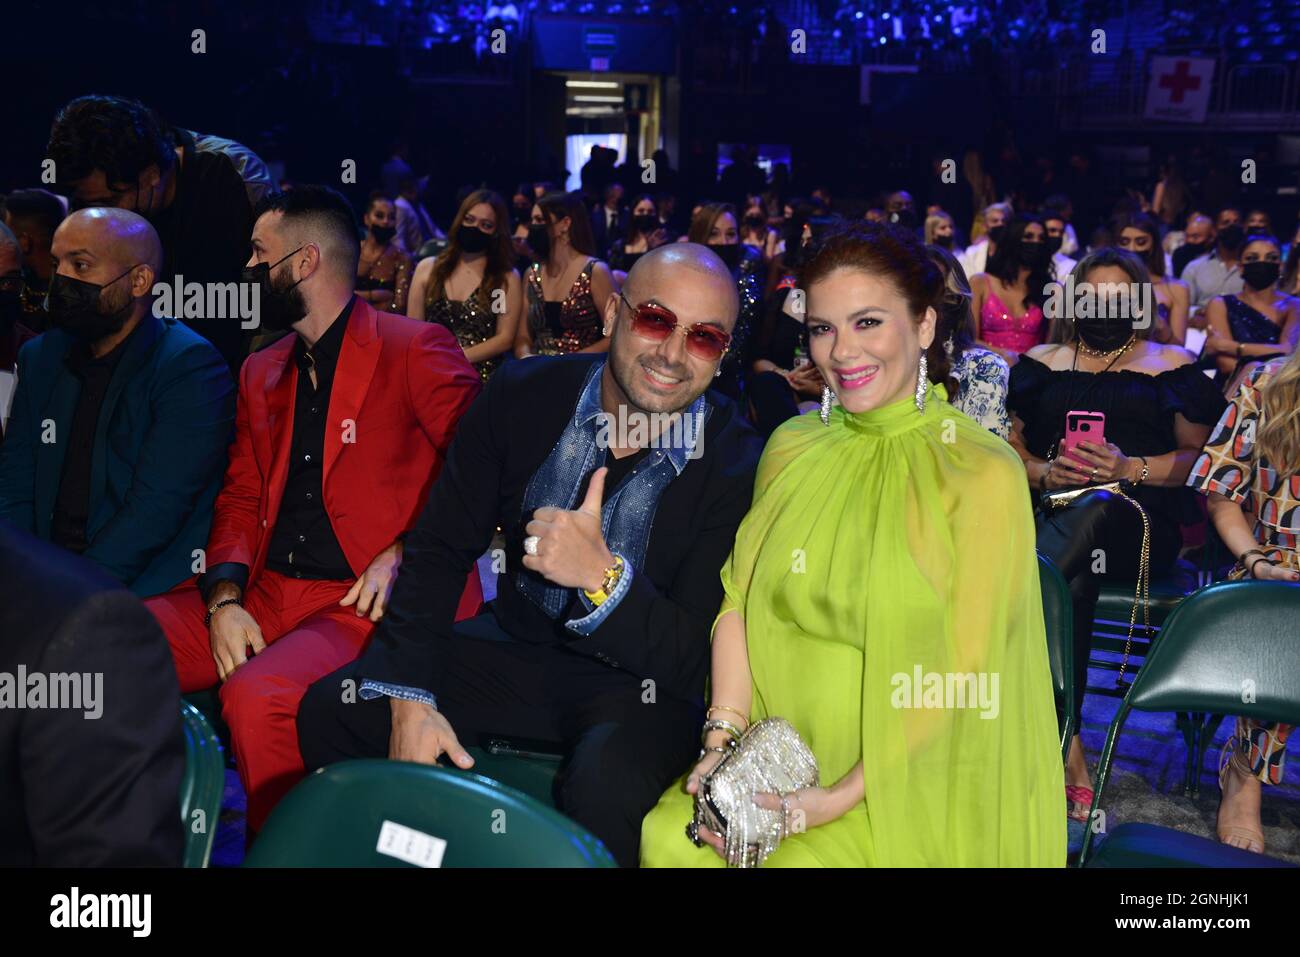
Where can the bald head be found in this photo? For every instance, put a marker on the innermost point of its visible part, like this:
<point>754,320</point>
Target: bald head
<point>116,250</point>
<point>678,266</point>
<point>117,238</point>
<point>665,374</point>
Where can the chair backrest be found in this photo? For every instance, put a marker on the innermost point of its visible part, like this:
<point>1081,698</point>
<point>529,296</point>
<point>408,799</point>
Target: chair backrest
<point>1058,616</point>
<point>1229,648</point>
<point>378,813</point>
<point>201,786</point>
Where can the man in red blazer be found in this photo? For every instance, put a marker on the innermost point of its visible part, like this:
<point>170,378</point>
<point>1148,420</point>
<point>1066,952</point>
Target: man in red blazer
<point>340,431</point>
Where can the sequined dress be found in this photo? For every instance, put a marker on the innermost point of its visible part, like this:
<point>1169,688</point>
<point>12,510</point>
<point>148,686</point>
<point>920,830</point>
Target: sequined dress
<point>998,327</point>
<point>749,285</point>
<point>570,325</point>
<point>391,271</point>
<point>470,321</point>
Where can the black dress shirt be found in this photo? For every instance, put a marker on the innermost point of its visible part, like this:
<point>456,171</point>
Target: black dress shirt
<point>303,543</point>
<point>72,506</point>
<point>660,629</point>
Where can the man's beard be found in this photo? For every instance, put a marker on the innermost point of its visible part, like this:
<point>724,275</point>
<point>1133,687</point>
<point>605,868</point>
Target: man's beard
<point>629,373</point>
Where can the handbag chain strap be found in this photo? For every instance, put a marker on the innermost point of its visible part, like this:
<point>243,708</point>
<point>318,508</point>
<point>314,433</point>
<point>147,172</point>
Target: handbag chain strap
<point>1142,593</point>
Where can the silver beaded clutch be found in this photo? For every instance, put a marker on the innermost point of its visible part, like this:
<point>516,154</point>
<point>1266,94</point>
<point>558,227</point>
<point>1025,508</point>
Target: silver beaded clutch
<point>770,757</point>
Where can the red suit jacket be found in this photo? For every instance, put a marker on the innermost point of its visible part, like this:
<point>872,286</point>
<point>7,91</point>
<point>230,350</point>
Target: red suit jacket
<point>400,388</point>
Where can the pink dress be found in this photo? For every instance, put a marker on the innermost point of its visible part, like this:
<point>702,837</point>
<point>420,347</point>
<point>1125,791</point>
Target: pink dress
<point>998,327</point>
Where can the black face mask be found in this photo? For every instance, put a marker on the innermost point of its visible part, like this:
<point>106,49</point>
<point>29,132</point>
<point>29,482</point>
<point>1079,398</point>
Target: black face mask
<point>1033,255</point>
<point>755,220</point>
<point>538,240</point>
<point>278,308</point>
<point>76,307</point>
<point>729,254</point>
<point>1053,244</point>
<point>645,223</point>
<point>1196,249</point>
<point>471,239</point>
<point>943,241</point>
<point>383,234</point>
<point>523,214</point>
<point>1260,275</point>
<point>1104,335</point>
<point>1232,237</point>
<point>997,234</point>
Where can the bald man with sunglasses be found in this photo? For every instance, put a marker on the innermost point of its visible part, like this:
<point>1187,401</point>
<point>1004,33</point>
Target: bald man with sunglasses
<point>619,482</point>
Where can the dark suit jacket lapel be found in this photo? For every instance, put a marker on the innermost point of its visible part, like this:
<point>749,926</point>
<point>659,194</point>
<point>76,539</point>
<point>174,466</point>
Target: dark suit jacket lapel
<point>138,350</point>
<point>59,408</point>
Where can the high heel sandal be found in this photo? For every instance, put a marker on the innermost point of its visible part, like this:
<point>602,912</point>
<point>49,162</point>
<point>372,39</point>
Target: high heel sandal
<point>1254,837</point>
<point>1078,794</point>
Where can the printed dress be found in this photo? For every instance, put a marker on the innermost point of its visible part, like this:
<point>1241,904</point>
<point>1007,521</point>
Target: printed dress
<point>1228,465</point>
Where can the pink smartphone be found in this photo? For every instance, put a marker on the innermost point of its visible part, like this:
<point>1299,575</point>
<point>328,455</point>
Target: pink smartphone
<point>1083,427</point>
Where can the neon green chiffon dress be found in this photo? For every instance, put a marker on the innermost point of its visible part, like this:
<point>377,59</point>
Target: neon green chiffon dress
<point>888,584</point>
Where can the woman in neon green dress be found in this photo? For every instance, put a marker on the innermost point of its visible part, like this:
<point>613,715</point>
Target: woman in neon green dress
<point>882,596</point>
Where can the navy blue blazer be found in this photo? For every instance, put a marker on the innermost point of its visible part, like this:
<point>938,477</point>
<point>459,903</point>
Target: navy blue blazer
<point>158,458</point>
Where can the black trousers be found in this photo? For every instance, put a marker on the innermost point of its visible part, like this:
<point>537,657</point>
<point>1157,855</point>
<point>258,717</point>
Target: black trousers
<point>623,744</point>
<point>1100,526</point>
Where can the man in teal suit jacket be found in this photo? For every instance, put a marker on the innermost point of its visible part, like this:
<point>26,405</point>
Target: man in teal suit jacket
<point>117,438</point>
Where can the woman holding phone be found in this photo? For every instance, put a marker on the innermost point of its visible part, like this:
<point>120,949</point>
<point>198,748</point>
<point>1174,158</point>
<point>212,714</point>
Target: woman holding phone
<point>1158,409</point>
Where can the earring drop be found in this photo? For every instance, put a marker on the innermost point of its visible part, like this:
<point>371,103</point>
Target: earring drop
<point>922,384</point>
<point>825,412</point>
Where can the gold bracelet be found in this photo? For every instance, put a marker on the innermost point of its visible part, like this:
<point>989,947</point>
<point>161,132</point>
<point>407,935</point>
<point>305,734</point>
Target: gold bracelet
<point>723,707</point>
<point>612,574</point>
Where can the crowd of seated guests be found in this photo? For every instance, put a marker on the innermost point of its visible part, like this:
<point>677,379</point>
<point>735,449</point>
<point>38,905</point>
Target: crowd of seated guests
<point>277,484</point>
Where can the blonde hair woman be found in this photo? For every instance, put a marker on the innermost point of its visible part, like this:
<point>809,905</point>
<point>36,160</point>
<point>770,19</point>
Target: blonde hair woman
<point>1252,461</point>
<point>939,230</point>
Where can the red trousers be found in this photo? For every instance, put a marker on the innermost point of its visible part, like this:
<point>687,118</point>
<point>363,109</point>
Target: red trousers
<point>308,635</point>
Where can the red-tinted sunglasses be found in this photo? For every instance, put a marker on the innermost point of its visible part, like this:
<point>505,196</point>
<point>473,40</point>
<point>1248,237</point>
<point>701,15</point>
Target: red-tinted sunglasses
<point>654,322</point>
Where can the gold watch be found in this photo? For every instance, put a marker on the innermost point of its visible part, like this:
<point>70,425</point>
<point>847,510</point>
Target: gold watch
<point>612,574</point>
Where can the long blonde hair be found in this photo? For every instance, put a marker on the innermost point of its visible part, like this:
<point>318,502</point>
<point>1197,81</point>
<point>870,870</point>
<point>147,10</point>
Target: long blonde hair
<point>1278,440</point>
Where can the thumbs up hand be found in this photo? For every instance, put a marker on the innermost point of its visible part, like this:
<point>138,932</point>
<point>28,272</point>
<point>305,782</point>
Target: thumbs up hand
<point>570,549</point>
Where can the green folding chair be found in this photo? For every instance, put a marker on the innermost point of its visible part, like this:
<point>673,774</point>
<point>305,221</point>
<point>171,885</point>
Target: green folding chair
<point>1228,649</point>
<point>376,813</point>
<point>1058,616</point>
<point>201,786</point>
<point>531,771</point>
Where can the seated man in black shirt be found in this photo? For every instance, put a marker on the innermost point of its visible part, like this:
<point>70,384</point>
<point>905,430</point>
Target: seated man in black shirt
<point>121,418</point>
<point>198,191</point>
<point>615,542</point>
